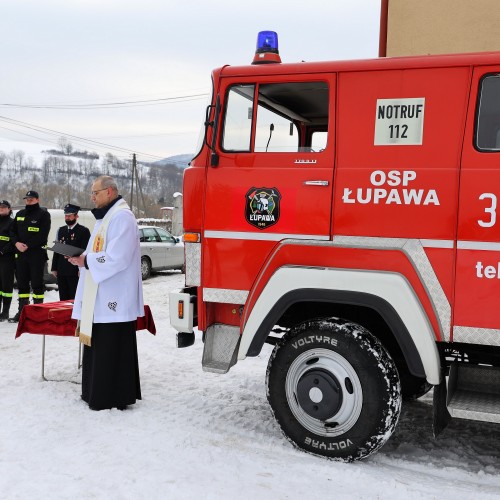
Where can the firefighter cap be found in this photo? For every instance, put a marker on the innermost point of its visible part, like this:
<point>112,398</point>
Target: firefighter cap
<point>71,209</point>
<point>4,203</point>
<point>31,194</point>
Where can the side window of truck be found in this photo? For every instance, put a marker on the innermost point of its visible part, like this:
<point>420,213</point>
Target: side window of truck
<point>274,133</point>
<point>238,118</point>
<point>290,117</point>
<point>488,116</point>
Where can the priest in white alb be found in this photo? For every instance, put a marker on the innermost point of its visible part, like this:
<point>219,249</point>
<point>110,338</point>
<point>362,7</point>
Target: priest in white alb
<point>108,302</point>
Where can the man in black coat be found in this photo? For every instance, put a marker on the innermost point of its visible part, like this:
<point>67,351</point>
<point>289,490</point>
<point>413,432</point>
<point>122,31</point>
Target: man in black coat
<point>71,234</point>
<point>29,234</point>
<point>7,259</point>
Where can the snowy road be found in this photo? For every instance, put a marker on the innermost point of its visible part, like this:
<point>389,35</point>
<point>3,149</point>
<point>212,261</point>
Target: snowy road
<point>201,435</point>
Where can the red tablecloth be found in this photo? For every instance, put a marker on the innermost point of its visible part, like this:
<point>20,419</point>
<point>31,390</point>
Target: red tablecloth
<point>54,318</point>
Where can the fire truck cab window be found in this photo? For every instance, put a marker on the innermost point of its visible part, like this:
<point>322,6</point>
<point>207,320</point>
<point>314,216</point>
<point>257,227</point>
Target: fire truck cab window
<point>488,117</point>
<point>290,117</point>
<point>238,119</point>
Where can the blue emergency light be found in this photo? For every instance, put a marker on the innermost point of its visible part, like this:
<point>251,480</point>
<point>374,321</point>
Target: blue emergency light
<point>267,48</point>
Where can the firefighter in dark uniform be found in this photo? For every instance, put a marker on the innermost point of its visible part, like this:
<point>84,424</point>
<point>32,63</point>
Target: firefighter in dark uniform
<point>7,260</point>
<point>71,234</point>
<point>29,233</point>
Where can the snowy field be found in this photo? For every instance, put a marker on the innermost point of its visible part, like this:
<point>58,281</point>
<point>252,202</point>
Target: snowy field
<point>201,435</point>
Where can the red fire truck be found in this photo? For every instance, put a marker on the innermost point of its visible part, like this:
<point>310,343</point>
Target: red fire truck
<point>346,212</point>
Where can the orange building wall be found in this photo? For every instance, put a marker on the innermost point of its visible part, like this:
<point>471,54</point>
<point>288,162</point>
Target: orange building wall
<point>420,27</point>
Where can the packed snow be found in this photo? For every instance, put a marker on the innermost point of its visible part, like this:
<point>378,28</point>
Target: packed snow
<point>202,435</point>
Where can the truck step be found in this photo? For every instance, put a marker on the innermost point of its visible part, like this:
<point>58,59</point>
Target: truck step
<point>221,348</point>
<point>474,392</point>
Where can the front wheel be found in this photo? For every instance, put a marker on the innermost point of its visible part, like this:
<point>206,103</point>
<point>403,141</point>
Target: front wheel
<point>145,268</point>
<point>334,389</point>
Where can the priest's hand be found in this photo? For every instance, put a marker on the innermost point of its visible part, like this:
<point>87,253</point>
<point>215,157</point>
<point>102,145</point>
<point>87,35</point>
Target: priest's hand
<point>77,261</point>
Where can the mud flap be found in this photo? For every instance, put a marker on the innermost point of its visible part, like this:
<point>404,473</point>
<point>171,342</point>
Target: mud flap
<point>441,415</point>
<point>221,348</point>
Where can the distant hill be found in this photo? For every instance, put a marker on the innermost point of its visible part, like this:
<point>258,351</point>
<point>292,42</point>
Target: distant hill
<point>181,161</point>
<point>65,176</point>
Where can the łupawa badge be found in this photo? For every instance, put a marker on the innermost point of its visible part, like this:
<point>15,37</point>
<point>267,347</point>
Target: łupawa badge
<point>262,207</point>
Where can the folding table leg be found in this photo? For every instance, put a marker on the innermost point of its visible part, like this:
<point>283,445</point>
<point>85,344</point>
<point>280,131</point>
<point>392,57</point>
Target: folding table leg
<point>43,358</point>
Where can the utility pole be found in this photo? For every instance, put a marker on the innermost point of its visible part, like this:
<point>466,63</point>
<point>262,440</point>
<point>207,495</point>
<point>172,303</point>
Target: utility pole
<point>135,180</point>
<point>134,173</point>
<point>139,190</point>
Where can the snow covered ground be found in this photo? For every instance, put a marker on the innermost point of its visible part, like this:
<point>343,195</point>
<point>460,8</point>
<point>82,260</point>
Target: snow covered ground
<point>201,435</point>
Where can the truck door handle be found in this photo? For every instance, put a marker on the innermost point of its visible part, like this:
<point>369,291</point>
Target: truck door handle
<point>316,183</point>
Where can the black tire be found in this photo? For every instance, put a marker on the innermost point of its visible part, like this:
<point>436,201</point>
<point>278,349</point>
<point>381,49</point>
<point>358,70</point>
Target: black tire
<point>145,268</point>
<point>334,389</point>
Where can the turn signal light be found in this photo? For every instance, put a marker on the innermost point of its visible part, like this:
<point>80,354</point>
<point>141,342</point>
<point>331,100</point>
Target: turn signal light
<point>192,237</point>
<point>180,309</point>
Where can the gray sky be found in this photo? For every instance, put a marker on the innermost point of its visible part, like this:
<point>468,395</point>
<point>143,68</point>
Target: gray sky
<point>85,52</point>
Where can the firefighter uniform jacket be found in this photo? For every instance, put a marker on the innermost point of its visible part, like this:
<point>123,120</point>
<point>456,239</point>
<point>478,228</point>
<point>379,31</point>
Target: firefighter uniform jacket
<point>6,245</point>
<point>31,226</point>
<point>77,236</point>
<point>7,264</point>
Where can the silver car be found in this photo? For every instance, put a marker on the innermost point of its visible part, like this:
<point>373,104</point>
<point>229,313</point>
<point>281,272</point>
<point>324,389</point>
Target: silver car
<point>159,250</point>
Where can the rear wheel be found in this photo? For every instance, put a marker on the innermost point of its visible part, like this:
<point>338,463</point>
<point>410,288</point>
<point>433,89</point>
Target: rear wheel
<point>334,389</point>
<point>145,268</point>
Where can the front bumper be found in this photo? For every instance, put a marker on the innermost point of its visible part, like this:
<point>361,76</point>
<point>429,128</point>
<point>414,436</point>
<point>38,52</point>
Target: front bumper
<point>182,308</point>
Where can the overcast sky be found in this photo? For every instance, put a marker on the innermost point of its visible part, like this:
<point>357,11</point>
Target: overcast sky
<point>89,52</point>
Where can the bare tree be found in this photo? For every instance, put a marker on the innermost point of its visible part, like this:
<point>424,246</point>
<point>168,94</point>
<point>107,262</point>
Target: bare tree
<point>17,157</point>
<point>65,145</point>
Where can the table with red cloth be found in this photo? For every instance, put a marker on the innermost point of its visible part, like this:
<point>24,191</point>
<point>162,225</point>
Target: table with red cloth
<point>54,318</point>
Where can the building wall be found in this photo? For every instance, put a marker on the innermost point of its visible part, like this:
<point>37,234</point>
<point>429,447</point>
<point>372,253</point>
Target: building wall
<point>419,27</point>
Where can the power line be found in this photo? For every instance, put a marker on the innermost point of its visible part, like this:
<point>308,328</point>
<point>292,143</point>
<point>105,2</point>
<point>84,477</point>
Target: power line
<point>161,134</point>
<point>29,135</point>
<point>108,105</point>
<point>48,131</point>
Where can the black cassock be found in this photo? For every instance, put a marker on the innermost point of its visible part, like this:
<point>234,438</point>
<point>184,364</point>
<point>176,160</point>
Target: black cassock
<point>110,368</point>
